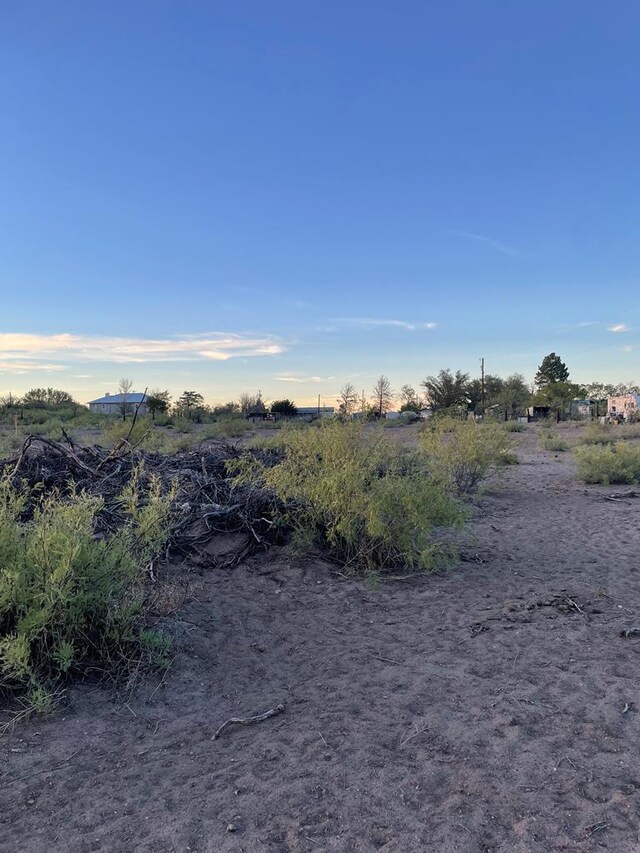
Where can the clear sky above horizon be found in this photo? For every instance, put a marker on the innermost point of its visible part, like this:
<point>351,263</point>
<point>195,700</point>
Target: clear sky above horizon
<point>285,196</point>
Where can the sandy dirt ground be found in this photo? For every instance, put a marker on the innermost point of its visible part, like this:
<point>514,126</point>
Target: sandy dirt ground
<point>493,707</point>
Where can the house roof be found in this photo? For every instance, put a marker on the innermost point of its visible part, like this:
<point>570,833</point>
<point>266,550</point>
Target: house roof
<point>118,399</point>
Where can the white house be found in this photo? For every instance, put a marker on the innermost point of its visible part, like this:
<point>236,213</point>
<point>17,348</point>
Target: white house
<point>111,404</point>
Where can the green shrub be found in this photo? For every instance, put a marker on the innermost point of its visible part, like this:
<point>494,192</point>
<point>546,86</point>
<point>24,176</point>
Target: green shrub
<point>10,440</point>
<point>183,425</point>
<point>367,503</point>
<point>70,602</point>
<point>461,453</point>
<point>230,427</point>
<point>550,440</point>
<point>617,463</point>
<point>117,430</point>
<point>514,426</point>
<point>595,433</point>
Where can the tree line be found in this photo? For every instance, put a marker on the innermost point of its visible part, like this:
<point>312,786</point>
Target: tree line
<point>445,391</point>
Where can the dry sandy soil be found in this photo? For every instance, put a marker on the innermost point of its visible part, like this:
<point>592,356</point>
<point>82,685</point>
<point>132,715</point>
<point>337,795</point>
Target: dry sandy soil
<point>494,707</point>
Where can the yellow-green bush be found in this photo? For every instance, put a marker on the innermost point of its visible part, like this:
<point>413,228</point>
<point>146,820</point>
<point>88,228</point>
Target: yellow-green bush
<point>366,502</point>
<point>617,463</point>
<point>117,429</point>
<point>71,602</point>
<point>229,427</point>
<point>550,440</point>
<point>461,453</point>
<point>596,433</point>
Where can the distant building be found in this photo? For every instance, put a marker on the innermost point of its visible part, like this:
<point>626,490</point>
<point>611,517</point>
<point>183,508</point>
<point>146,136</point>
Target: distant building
<point>311,412</point>
<point>111,404</point>
<point>625,406</point>
<point>582,409</point>
<point>538,413</point>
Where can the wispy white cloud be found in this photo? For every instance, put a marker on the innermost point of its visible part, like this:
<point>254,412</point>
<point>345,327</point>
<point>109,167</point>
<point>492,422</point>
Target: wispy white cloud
<point>304,379</point>
<point>27,365</point>
<point>30,351</point>
<point>373,323</point>
<point>619,327</point>
<point>489,241</point>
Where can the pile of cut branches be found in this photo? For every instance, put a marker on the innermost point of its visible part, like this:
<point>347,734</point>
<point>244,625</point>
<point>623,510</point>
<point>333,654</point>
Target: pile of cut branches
<point>207,503</point>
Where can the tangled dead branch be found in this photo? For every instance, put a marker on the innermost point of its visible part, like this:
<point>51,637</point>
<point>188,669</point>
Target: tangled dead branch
<point>215,522</point>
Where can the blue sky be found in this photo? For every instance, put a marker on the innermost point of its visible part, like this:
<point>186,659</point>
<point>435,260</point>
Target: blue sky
<point>285,196</point>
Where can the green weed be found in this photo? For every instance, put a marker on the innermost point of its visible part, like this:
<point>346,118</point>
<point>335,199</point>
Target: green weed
<point>550,440</point>
<point>617,463</point>
<point>72,603</point>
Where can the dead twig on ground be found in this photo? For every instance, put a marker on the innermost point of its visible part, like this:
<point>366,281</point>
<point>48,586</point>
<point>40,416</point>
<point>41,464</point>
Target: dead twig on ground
<point>245,721</point>
<point>596,827</point>
<point>46,769</point>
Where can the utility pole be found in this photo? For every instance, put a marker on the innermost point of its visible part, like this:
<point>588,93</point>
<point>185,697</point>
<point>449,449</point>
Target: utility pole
<point>318,405</point>
<point>482,383</point>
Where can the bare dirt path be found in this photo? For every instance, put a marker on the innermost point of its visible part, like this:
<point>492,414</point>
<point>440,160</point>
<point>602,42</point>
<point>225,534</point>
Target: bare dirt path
<point>493,708</point>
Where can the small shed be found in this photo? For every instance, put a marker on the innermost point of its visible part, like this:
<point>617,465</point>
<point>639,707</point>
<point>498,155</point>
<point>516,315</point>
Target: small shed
<point>538,413</point>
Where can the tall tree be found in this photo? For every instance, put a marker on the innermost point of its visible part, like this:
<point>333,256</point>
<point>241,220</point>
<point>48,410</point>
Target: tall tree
<point>409,400</point>
<point>189,404</point>
<point>227,409</point>
<point>552,369</point>
<point>285,408</point>
<point>348,400</point>
<point>383,395</point>
<point>492,387</point>
<point>47,397</point>
<point>447,390</point>
<point>158,402</point>
<point>558,395</point>
<point>599,390</point>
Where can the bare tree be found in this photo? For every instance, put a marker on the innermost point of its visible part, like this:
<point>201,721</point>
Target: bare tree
<point>249,403</point>
<point>347,400</point>
<point>124,388</point>
<point>383,395</point>
<point>246,403</point>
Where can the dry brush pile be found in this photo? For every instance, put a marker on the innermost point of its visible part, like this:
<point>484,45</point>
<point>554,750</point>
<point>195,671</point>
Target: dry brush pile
<point>80,530</point>
<point>83,529</point>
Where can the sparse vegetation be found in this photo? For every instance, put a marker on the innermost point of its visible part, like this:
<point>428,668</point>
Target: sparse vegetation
<point>72,602</point>
<point>596,433</point>
<point>354,495</point>
<point>550,440</point>
<point>462,453</point>
<point>617,463</point>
